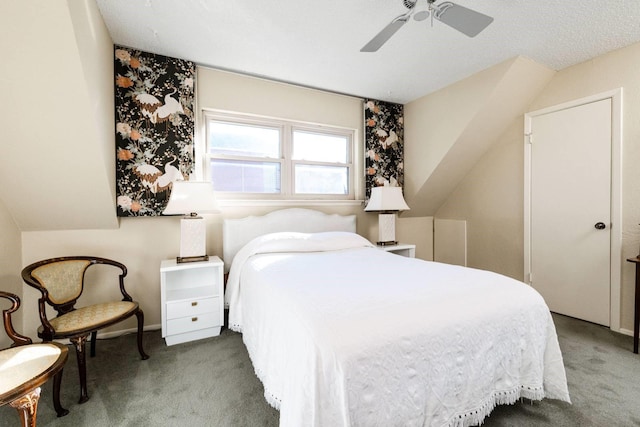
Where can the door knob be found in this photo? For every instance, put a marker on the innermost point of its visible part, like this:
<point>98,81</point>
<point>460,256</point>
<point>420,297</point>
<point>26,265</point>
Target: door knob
<point>600,226</point>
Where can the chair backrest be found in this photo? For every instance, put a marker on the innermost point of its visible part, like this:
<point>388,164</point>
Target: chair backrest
<point>62,278</point>
<point>6,317</point>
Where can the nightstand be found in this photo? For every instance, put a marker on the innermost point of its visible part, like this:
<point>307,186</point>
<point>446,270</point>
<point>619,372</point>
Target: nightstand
<point>192,299</point>
<point>400,249</point>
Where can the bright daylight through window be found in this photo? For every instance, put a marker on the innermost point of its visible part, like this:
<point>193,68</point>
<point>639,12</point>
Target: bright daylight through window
<point>249,157</point>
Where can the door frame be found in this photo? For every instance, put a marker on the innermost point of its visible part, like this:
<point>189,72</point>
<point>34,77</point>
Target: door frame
<point>616,193</point>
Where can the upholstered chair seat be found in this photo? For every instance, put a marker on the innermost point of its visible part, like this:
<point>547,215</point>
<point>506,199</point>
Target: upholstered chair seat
<point>91,318</point>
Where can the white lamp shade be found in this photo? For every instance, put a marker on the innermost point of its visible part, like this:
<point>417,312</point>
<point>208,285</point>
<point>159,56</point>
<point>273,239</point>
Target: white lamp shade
<point>191,197</point>
<point>386,199</point>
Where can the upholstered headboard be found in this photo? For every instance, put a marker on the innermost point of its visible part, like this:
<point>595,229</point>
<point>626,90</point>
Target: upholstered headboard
<point>238,232</point>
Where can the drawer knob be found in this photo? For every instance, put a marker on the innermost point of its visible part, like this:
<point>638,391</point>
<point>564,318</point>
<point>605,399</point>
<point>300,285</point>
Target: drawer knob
<point>194,319</point>
<point>193,304</point>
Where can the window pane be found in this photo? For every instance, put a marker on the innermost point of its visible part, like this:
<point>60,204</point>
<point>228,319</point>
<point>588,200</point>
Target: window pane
<point>313,179</point>
<point>320,147</point>
<point>247,177</point>
<point>243,140</point>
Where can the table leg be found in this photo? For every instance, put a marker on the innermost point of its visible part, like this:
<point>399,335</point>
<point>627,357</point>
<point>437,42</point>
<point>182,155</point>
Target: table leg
<point>27,407</point>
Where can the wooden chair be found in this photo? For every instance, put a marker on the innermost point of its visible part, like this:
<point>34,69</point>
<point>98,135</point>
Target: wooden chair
<point>24,367</point>
<point>61,282</point>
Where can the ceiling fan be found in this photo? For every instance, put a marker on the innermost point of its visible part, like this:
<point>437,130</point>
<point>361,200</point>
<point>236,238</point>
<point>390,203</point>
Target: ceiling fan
<point>465,20</point>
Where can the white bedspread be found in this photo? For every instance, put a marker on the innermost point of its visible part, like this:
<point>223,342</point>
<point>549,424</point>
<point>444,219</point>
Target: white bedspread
<point>343,334</point>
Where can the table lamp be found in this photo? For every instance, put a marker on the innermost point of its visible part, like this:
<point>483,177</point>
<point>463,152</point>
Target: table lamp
<point>189,198</point>
<point>386,200</point>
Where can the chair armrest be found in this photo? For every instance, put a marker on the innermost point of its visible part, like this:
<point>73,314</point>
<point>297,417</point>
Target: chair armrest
<point>6,316</point>
<point>123,268</point>
<point>47,330</point>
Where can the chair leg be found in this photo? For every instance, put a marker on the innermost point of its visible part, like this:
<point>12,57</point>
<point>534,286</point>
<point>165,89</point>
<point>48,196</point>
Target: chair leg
<point>82,366</point>
<point>94,337</point>
<point>140,316</point>
<point>27,407</point>
<point>57,381</point>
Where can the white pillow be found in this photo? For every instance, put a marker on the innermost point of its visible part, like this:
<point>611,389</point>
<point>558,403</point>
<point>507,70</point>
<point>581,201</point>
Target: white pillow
<point>306,242</point>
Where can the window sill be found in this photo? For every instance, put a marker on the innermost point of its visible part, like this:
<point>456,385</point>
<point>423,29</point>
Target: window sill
<point>256,202</point>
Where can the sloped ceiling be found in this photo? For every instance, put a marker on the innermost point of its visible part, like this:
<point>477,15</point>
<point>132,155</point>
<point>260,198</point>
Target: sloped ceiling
<point>55,111</point>
<point>317,44</point>
<point>451,129</point>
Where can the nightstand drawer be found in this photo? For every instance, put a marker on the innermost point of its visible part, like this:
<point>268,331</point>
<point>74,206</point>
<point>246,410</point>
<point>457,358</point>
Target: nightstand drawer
<point>191,308</point>
<point>192,323</point>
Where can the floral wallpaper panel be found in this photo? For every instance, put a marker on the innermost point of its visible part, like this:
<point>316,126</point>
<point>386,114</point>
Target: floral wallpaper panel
<point>154,102</point>
<point>384,144</point>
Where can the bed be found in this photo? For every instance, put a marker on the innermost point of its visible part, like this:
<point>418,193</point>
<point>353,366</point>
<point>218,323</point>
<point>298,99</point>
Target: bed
<point>342,333</point>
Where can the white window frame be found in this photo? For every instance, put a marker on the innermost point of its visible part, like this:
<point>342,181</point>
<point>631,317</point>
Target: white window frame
<point>287,164</point>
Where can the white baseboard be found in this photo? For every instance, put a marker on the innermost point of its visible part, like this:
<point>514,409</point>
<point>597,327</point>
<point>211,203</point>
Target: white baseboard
<point>114,334</point>
<point>624,331</point>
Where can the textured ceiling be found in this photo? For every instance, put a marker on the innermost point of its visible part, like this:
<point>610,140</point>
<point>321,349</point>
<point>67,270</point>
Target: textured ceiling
<point>317,44</point>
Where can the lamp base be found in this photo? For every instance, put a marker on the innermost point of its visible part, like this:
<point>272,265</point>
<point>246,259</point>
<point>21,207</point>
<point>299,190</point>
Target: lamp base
<point>193,238</point>
<point>387,229</point>
<point>182,259</point>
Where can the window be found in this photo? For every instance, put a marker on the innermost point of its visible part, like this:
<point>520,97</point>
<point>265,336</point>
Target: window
<point>245,158</point>
<point>268,158</point>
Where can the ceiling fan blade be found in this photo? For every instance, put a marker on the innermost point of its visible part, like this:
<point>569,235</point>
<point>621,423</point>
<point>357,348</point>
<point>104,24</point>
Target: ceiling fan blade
<point>465,20</point>
<point>386,33</point>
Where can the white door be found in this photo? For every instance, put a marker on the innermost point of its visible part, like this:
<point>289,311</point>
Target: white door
<point>570,209</point>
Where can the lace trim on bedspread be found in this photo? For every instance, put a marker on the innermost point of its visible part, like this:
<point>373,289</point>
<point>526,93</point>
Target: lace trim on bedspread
<point>509,397</point>
<point>471,418</point>
<point>271,398</point>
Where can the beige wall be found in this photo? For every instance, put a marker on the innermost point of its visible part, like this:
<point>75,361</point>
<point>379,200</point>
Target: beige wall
<point>435,122</point>
<point>491,196</point>
<point>448,131</point>
<point>95,49</point>
<point>10,265</point>
<point>237,93</point>
<point>55,83</point>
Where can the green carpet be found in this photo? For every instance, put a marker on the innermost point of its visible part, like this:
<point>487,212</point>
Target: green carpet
<point>212,383</point>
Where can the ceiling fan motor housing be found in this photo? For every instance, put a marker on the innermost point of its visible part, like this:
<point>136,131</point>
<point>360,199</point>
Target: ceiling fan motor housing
<point>409,3</point>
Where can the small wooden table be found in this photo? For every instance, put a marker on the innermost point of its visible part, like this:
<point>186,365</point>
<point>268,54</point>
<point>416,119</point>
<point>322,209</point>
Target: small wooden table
<point>636,321</point>
<point>23,370</point>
